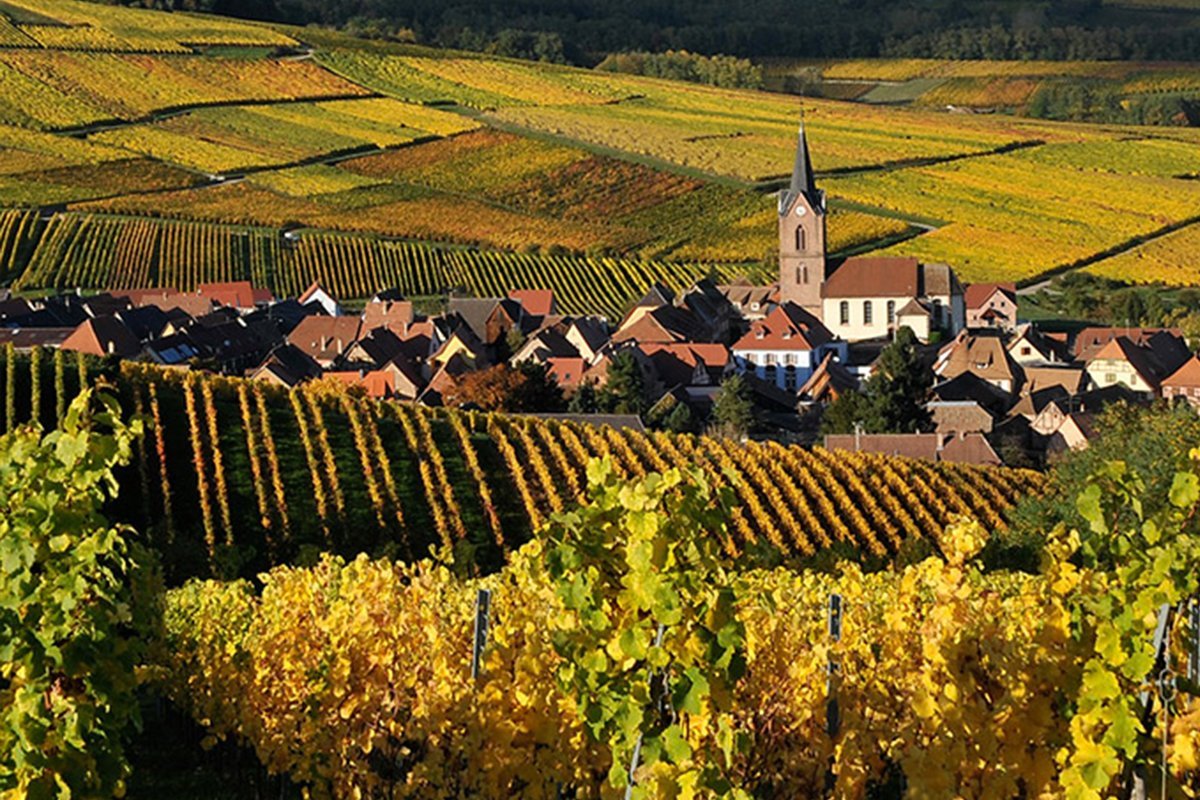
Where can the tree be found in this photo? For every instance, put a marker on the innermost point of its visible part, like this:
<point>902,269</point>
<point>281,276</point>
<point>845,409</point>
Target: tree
<point>624,389</point>
<point>529,387</point>
<point>893,397</point>
<point>76,598</point>
<point>733,409</point>
<point>585,399</point>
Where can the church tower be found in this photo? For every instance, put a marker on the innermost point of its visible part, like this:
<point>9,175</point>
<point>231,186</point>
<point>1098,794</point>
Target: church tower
<point>802,235</point>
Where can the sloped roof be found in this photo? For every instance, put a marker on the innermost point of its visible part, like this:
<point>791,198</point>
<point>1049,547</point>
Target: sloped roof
<point>979,293</point>
<point>911,445</point>
<point>983,354</point>
<point>325,338</point>
<point>103,336</point>
<point>830,377</point>
<point>475,311</point>
<point>972,448</point>
<point>1089,340</point>
<point>236,294</point>
<point>1187,375</point>
<point>1139,357</point>
<point>874,277</point>
<point>788,327</point>
<point>538,302</point>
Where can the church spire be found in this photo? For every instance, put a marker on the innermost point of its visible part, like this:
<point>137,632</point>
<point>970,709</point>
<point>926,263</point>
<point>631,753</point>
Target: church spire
<point>803,181</point>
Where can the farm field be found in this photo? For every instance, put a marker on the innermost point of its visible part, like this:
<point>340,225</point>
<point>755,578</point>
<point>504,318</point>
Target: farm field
<point>500,190</point>
<point>1001,225</point>
<point>498,154</point>
<point>230,139</point>
<point>1009,85</point>
<point>72,24</point>
<point>272,472</point>
<point>1173,259</point>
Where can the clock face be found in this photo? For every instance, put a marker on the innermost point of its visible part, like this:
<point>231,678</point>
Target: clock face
<point>801,211</point>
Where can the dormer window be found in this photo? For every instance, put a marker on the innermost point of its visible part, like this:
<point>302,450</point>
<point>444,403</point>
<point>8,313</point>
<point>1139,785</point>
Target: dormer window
<point>760,334</point>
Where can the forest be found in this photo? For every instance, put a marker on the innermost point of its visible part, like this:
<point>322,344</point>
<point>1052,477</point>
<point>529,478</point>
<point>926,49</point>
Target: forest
<point>583,31</point>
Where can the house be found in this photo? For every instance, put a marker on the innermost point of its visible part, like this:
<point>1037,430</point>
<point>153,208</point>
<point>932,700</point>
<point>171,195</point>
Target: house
<point>870,298</point>
<point>589,335</point>
<point>1141,367</point>
<point>686,364</point>
<point>1028,346</point>
<point>325,339</point>
<point>567,371</point>
<point>991,305</point>
<point>1089,340</point>
<point>235,294</point>
<point>172,351</point>
<point>103,336</point>
<point>287,366</point>
<point>981,353</point>
<point>829,381</point>
<point>489,318</point>
<point>25,339</point>
<point>374,349</point>
<point>535,302</point>
<point>1071,379</point>
<point>315,295</point>
<point>460,346</point>
<point>1074,433</point>
<point>960,416</point>
<point>662,324</point>
<point>382,313</point>
<point>711,308</point>
<point>750,301</point>
<point>546,344</point>
<point>785,347</point>
<point>1184,383</point>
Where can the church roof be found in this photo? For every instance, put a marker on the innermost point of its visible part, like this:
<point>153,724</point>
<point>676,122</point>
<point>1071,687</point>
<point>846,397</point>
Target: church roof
<point>804,180</point>
<point>875,277</point>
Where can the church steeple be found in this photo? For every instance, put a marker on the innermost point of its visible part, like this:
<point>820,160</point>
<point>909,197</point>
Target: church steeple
<point>802,265</point>
<point>804,182</point>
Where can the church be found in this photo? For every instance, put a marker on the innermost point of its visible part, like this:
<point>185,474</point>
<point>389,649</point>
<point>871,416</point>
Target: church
<point>859,298</point>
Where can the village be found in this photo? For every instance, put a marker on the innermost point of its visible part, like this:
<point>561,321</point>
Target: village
<point>1000,390</point>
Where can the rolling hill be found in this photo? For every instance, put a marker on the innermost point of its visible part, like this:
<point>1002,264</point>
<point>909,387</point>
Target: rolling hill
<point>153,148</point>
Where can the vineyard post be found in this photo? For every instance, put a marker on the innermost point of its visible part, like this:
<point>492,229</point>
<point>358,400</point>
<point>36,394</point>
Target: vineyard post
<point>483,605</point>
<point>1135,780</point>
<point>637,747</point>
<point>1193,668</point>
<point>833,713</point>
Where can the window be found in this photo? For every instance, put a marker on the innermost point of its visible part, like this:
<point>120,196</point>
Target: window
<point>769,359</point>
<point>800,239</point>
<point>789,359</point>
<point>789,378</point>
<point>891,308</point>
<point>845,312</point>
<point>937,312</point>
<point>1110,377</point>
<point>1026,350</point>
<point>867,313</point>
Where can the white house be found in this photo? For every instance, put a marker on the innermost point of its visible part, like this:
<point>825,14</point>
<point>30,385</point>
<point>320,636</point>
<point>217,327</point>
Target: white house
<point>316,294</point>
<point>786,346</point>
<point>869,298</point>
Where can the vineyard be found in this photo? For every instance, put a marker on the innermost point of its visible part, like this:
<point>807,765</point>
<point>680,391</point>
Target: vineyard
<point>1171,259</point>
<point>76,250</point>
<point>272,473</point>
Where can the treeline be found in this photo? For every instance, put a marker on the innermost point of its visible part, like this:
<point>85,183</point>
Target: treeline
<point>724,71</point>
<point>1068,43</point>
<point>586,30</point>
<point>1098,101</point>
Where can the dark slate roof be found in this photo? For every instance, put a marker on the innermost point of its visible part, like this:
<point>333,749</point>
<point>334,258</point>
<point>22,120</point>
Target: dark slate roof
<point>144,322</point>
<point>474,311</point>
<point>804,180</point>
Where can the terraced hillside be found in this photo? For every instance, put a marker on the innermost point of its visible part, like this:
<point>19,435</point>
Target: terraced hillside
<point>234,475</point>
<point>247,131</point>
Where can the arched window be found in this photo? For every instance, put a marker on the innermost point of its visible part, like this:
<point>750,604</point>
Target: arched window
<point>891,307</point>
<point>868,316</point>
<point>845,312</point>
<point>800,239</point>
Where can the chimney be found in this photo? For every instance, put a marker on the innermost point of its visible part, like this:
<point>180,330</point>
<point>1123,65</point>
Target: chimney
<point>324,343</point>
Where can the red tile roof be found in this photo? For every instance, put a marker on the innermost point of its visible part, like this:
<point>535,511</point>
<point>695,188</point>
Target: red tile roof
<point>875,277</point>
<point>236,294</point>
<point>978,293</point>
<point>1188,375</point>
<point>788,327</point>
<point>536,302</point>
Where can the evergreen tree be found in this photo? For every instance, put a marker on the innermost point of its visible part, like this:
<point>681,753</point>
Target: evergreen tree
<point>584,401</point>
<point>624,390</point>
<point>893,398</point>
<point>733,409</point>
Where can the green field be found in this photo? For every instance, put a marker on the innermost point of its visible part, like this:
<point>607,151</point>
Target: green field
<point>401,144</point>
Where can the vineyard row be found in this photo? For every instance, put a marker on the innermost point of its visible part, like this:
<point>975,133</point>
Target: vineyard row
<point>238,476</point>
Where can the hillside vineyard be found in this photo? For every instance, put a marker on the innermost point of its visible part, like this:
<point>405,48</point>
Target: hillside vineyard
<point>270,474</point>
<point>119,125</point>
